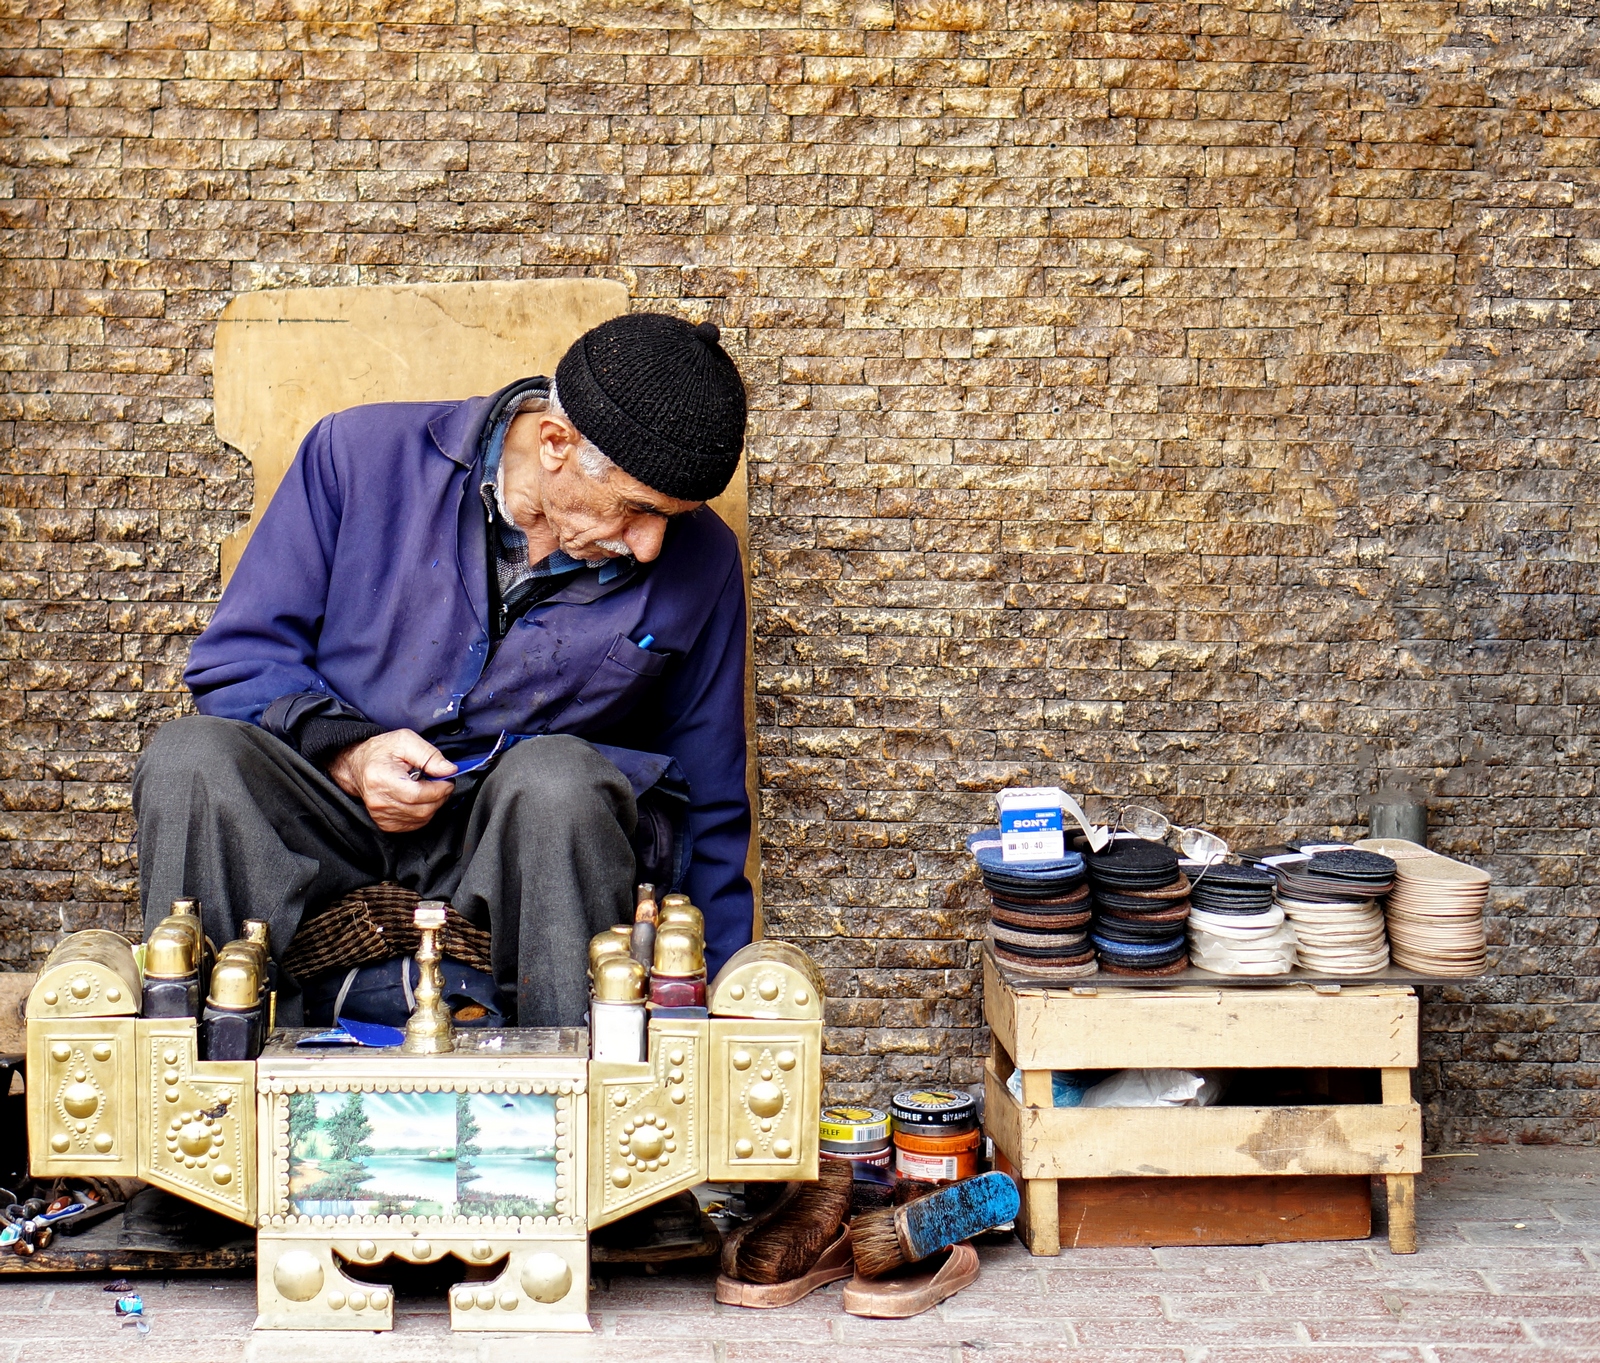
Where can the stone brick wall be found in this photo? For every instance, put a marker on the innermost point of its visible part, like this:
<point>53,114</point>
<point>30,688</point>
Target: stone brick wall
<point>1189,401</point>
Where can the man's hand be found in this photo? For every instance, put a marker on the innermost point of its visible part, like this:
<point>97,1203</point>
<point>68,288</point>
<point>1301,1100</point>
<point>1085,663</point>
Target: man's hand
<point>379,774</point>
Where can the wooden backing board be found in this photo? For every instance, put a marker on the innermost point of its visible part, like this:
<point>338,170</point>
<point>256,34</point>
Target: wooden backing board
<point>14,987</point>
<point>1293,1027</point>
<point>1107,1212</point>
<point>1145,1142</point>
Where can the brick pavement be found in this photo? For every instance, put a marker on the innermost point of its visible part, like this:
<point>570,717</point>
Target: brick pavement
<point>1508,1272</point>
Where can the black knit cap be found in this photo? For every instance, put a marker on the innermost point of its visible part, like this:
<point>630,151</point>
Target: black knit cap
<point>660,398</point>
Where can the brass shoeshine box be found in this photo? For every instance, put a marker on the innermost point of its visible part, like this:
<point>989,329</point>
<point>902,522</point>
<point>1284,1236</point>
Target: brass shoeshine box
<point>505,1152</point>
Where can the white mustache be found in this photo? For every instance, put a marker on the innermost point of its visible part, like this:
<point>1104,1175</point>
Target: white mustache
<point>614,548</point>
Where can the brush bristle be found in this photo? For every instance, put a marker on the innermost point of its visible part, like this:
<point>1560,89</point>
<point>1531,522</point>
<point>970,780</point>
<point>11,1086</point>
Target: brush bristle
<point>788,1245</point>
<point>876,1244</point>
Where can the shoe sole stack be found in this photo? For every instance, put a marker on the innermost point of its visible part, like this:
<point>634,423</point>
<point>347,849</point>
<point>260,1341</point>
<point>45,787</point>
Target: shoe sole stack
<point>1039,912</point>
<point>1141,908</point>
<point>1435,910</point>
<point>1332,899</point>
<point>1235,927</point>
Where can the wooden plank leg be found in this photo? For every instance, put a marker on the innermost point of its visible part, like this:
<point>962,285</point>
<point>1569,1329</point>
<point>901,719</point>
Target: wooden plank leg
<point>1039,1220</point>
<point>1041,1207</point>
<point>1402,1213</point>
<point>1402,1188</point>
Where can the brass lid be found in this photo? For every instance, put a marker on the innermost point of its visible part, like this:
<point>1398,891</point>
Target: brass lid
<point>676,908</point>
<point>171,953</point>
<point>255,930</point>
<point>615,941</point>
<point>243,950</point>
<point>184,918</point>
<point>619,979</point>
<point>235,981</point>
<point>680,950</point>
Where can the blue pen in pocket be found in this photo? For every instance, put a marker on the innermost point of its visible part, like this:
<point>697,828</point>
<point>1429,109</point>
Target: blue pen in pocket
<point>647,641</point>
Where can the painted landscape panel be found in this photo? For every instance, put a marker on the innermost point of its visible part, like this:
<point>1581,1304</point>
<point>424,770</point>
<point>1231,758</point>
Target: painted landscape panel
<point>422,1154</point>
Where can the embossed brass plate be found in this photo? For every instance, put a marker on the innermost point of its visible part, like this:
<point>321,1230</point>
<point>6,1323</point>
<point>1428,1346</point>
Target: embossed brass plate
<point>766,1082</point>
<point>648,1123</point>
<point>81,1108</point>
<point>197,1128</point>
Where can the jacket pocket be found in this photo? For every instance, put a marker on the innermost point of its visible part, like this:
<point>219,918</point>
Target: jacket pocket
<point>612,690</point>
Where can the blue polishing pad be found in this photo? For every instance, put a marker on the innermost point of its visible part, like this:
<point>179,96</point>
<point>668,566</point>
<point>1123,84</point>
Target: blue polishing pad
<point>985,846</point>
<point>1134,951</point>
<point>349,1032</point>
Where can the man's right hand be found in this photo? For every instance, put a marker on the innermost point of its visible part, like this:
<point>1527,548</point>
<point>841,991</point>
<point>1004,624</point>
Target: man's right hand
<point>379,774</point>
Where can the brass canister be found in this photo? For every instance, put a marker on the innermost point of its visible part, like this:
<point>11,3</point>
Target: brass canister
<point>676,908</point>
<point>175,945</point>
<point>235,980</point>
<point>615,941</point>
<point>680,950</point>
<point>231,1024</point>
<point>252,945</point>
<point>619,979</point>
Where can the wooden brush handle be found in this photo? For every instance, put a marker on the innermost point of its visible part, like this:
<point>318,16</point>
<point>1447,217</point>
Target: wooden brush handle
<point>903,1235</point>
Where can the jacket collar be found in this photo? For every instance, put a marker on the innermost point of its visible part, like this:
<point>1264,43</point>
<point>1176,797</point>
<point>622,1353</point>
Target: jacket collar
<point>459,433</point>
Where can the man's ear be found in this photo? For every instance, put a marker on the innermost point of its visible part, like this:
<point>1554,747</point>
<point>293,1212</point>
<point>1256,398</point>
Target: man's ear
<point>558,441</point>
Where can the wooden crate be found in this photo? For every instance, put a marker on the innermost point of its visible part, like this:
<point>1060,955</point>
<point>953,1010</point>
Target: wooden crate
<point>1098,1025</point>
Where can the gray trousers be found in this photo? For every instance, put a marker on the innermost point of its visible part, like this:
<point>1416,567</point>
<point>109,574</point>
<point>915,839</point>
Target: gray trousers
<point>538,851</point>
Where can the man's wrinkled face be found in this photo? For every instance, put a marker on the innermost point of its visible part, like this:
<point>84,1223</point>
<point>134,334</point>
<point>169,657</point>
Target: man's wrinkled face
<point>590,518</point>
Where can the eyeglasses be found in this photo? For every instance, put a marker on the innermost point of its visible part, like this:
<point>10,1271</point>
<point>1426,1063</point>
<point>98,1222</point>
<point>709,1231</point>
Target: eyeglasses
<point>1154,826</point>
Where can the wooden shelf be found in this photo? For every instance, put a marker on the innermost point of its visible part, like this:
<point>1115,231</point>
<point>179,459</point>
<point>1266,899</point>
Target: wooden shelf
<point>1155,1142</point>
<point>1194,975</point>
<point>1362,1026</point>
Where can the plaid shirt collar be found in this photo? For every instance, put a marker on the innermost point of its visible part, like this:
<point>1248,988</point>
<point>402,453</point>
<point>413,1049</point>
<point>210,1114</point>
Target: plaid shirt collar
<point>514,571</point>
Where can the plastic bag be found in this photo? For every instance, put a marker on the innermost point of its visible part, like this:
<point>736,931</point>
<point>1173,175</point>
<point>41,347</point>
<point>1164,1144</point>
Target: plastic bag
<point>1066,1087</point>
<point>1155,1088</point>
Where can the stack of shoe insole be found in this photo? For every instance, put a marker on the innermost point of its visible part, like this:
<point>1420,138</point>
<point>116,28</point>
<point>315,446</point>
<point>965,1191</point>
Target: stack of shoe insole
<point>1039,916</point>
<point>1141,907</point>
<point>1235,928</point>
<point>1332,900</point>
<point>1435,910</point>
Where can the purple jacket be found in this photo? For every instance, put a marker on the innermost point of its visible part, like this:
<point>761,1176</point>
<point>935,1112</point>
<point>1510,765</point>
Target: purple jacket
<point>367,582</point>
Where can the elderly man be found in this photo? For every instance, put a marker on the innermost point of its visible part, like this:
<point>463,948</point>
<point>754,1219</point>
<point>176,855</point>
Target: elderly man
<point>531,577</point>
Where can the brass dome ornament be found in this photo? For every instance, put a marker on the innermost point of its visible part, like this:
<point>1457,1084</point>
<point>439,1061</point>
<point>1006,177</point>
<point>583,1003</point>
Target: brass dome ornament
<point>648,1143</point>
<point>298,1275</point>
<point>546,1277</point>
